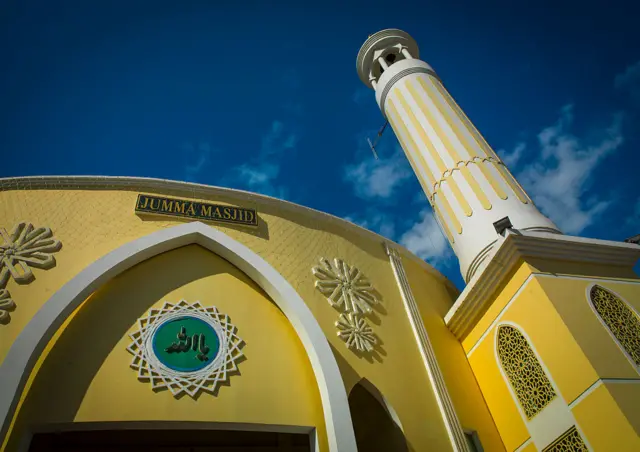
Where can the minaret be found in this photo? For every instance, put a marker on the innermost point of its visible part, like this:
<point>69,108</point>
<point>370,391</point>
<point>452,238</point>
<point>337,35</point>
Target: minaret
<point>467,184</point>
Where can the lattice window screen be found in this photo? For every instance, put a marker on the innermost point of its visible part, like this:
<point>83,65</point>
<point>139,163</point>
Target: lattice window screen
<point>622,321</point>
<point>569,441</point>
<point>528,380</point>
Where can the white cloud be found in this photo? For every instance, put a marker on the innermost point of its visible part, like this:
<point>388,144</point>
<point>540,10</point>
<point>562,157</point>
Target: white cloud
<point>426,240</point>
<point>260,179</point>
<point>629,81</point>
<point>378,178</point>
<point>512,158</point>
<point>260,175</point>
<point>558,179</point>
<point>377,222</point>
<point>277,141</point>
<point>198,158</point>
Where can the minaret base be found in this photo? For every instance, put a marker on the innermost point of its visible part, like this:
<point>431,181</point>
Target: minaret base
<point>572,303</point>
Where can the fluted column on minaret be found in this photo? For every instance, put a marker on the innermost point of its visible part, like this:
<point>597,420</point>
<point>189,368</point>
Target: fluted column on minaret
<point>467,184</point>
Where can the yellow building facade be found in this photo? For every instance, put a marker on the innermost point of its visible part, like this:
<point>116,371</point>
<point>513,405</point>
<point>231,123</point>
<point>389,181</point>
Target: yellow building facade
<point>144,314</point>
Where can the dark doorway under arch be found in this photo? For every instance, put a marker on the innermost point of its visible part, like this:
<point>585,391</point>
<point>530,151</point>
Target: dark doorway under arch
<point>374,427</point>
<point>133,440</point>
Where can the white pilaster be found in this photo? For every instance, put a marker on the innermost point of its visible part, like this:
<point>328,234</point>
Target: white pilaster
<point>449,416</point>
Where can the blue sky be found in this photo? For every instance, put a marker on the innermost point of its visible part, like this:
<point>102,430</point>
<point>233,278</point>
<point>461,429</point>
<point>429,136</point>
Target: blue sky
<point>264,96</point>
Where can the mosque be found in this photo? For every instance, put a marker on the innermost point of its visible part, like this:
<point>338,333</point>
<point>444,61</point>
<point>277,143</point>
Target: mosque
<point>153,315</point>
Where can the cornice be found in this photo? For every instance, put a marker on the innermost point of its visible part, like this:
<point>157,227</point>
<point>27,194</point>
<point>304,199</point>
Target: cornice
<point>166,186</point>
<point>477,295</point>
<point>190,189</point>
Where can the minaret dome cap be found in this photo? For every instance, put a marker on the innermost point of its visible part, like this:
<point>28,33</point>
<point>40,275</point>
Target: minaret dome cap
<point>380,41</point>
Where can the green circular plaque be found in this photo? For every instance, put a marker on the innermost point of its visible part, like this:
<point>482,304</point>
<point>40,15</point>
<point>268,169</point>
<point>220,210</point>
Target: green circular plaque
<point>186,344</point>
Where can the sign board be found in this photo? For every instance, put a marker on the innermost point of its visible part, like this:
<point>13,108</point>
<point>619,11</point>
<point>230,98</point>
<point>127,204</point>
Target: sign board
<point>197,210</point>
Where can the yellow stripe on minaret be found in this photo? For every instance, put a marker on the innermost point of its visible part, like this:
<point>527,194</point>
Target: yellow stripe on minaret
<point>398,125</point>
<point>432,121</point>
<point>464,205</point>
<point>424,108</point>
<point>427,85</point>
<point>423,135</point>
<point>482,143</point>
<point>443,222</point>
<point>475,186</point>
<point>512,182</point>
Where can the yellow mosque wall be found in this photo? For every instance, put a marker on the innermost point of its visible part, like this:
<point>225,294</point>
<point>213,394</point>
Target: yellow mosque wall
<point>605,424</point>
<point>461,382</point>
<point>594,378</point>
<point>86,377</point>
<point>91,223</point>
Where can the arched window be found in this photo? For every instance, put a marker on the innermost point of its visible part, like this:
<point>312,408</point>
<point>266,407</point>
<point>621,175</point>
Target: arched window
<point>528,380</point>
<point>621,320</point>
<point>569,441</point>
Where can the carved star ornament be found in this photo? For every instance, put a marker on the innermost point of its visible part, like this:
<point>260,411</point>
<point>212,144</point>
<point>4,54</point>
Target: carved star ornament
<point>185,348</point>
<point>348,290</point>
<point>344,286</point>
<point>25,248</point>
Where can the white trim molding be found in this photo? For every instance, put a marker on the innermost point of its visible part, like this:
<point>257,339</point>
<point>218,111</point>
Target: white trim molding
<point>523,446</point>
<point>599,382</point>
<point>25,351</point>
<point>445,405</point>
<point>477,295</point>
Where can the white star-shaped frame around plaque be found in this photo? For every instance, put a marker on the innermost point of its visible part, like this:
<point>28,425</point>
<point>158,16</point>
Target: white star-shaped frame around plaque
<point>157,364</point>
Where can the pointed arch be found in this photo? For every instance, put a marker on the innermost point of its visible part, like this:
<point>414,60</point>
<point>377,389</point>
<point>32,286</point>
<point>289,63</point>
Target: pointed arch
<point>530,383</point>
<point>376,424</point>
<point>24,352</point>
<point>619,318</point>
<point>375,392</point>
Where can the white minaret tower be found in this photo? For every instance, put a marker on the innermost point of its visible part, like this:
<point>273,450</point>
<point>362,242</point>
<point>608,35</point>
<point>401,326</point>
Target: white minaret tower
<point>467,184</point>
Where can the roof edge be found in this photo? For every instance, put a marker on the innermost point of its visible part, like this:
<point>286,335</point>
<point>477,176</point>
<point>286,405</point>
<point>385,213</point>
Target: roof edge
<point>191,189</point>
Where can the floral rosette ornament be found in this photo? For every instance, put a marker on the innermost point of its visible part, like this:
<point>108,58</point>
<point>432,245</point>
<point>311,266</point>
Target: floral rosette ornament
<point>348,289</point>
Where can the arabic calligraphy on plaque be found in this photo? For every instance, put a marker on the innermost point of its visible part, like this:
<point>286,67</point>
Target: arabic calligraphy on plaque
<point>187,343</point>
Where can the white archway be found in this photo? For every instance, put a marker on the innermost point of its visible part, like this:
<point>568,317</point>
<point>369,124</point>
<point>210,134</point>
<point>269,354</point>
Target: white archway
<point>24,352</point>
